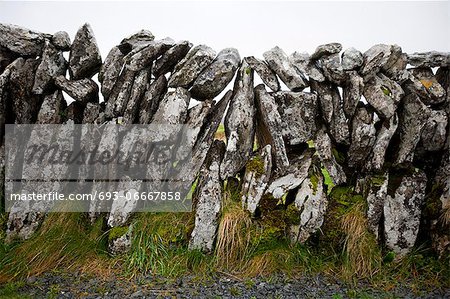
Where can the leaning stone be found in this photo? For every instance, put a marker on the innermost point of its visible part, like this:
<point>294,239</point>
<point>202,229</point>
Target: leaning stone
<point>379,57</point>
<point>216,76</point>
<point>52,109</point>
<point>326,50</point>
<point>121,208</point>
<point>84,90</point>
<point>402,210</point>
<point>52,65</point>
<point>166,63</point>
<point>91,113</point>
<point>383,94</point>
<point>173,108</point>
<point>120,94</point>
<point>21,40</point>
<point>239,124</point>
<point>324,148</point>
<point>188,69</point>
<point>332,69</point>
<point>304,64</point>
<point>265,73</point>
<point>143,57</point>
<point>298,111</point>
<point>257,175</point>
<point>429,59</point>
<point>152,97</point>
<point>378,188</point>
<point>140,83</point>
<point>281,65</point>
<point>84,59</point>
<point>352,59</point>
<point>433,135</point>
<point>61,41</point>
<point>362,137</point>
<point>269,127</point>
<point>209,201</point>
<point>136,40</point>
<point>110,71</point>
<point>424,83</point>
<point>352,92</point>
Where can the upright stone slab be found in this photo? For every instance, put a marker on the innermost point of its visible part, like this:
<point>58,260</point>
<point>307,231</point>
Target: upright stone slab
<point>383,94</point>
<point>264,72</point>
<point>362,137</point>
<point>52,109</point>
<point>166,63</point>
<point>152,97</point>
<point>85,59</point>
<point>352,92</point>
<point>110,71</point>
<point>143,57</point>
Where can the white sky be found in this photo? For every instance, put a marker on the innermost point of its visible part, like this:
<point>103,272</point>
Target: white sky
<point>252,27</point>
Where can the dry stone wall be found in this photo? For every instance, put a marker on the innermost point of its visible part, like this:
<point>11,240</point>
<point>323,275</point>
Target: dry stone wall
<point>376,121</point>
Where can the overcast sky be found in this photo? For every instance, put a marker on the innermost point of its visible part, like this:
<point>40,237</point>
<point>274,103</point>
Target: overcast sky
<point>252,27</point>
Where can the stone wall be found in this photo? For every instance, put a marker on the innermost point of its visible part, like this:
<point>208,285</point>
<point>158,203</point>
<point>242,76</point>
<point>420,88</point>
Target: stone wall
<point>376,122</point>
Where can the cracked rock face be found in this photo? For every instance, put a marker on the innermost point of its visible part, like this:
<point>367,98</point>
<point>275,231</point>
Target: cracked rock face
<point>352,92</point>
<point>85,59</point>
<point>264,72</point>
<point>352,59</point>
<point>434,134</point>
<point>424,83</point>
<point>142,57</point>
<point>120,94</point>
<point>91,113</point>
<point>375,202</point>
<point>140,83</point>
<point>429,59</point>
<point>332,69</point>
<point>110,71</point>
<point>152,97</point>
<point>383,94</point>
<point>279,62</point>
<point>84,90</point>
<point>363,137</point>
<point>402,213</point>
<point>166,63</point>
<point>21,40</point>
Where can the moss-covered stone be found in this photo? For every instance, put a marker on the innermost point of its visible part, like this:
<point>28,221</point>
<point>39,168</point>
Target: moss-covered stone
<point>292,215</point>
<point>117,232</point>
<point>255,165</point>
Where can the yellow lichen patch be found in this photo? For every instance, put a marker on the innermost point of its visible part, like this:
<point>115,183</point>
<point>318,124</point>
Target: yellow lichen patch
<point>426,83</point>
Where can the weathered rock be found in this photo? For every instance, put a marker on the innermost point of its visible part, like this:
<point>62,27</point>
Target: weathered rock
<point>141,58</point>
<point>429,59</point>
<point>6,58</point>
<point>290,177</point>
<point>52,65</point>
<point>84,90</point>
<point>383,94</point>
<point>21,40</point>
<point>137,40</point>
<point>402,212</point>
<point>443,77</point>
<point>91,113</point>
<point>121,208</point>
<point>209,201</point>
<point>84,59</point>
<point>324,148</point>
<point>265,73</point>
<point>239,124</point>
<point>304,64</point>
<point>52,109</point>
<point>352,92</point>
<point>412,119</point>
<point>166,63</point>
<point>216,76</point>
<point>378,188</point>
<point>281,65</point>
<point>362,137</point>
<point>188,69</point>
<point>140,83</point>
<point>4,79</point>
<point>61,41</point>
<point>121,244</point>
<point>110,71</point>
<point>396,68</point>
<point>433,135</point>
<point>152,97</point>
<point>332,69</point>
<point>326,50</point>
<point>120,94</point>
<point>269,126</point>
<point>257,175</point>
<point>380,57</point>
<point>424,83</point>
<point>352,59</point>
<point>173,108</point>
<point>74,112</point>
<point>298,112</point>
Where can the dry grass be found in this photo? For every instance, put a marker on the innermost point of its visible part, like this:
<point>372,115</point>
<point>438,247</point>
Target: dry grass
<point>444,218</point>
<point>267,263</point>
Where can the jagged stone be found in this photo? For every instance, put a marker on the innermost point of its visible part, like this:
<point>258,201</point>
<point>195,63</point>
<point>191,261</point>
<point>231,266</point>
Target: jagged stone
<point>216,76</point>
<point>378,188</point>
<point>352,59</point>
<point>84,90</point>
<point>384,135</point>
<point>51,109</point>
<point>326,50</point>
<point>209,201</point>
<point>269,126</point>
<point>110,71</point>
<point>142,57</point>
<point>281,65</point>
<point>303,63</point>
<point>152,97</point>
<point>140,83</point>
<point>362,137</point>
<point>21,40</point>
<point>332,110</point>
<point>429,59</point>
<point>173,108</point>
<point>298,111</point>
<point>433,135</point>
<point>380,57</point>
<point>412,119</point>
<point>352,92</point>
<point>402,212</point>
<point>324,148</point>
<point>137,40</point>
<point>85,59</point>
<point>290,177</point>
<point>257,175</point>
<point>332,69</point>
<point>424,83</point>
<point>264,72</point>
<point>91,113</point>
<point>239,124</point>
<point>383,94</point>
<point>61,41</point>
<point>166,63</point>
<point>120,94</point>
<point>188,69</point>
<point>52,65</point>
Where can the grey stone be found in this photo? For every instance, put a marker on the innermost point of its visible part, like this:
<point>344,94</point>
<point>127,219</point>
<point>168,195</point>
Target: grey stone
<point>91,113</point>
<point>6,58</point>
<point>85,59</point>
<point>332,69</point>
<point>51,109</point>
<point>140,83</point>
<point>216,76</point>
<point>326,50</point>
<point>188,69</point>
<point>282,66</point>
<point>120,94</point>
<point>378,188</point>
<point>443,78</point>
<point>402,211</point>
<point>239,124</point>
<point>434,134</point>
<point>61,41</point>
<point>362,137</point>
<point>352,92</point>
<point>74,112</point>
<point>122,244</point>
<point>152,97</point>
<point>264,72</point>
<point>4,80</point>
<point>352,59</point>
<point>380,57</point>
<point>173,108</point>
<point>141,58</point>
<point>424,83</point>
<point>110,71</point>
<point>21,40</point>
<point>269,126</point>
<point>166,63</point>
<point>137,40</point>
<point>304,64</point>
<point>429,59</point>
<point>84,90</point>
<point>121,208</point>
<point>298,112</point>
<point>52,65</point>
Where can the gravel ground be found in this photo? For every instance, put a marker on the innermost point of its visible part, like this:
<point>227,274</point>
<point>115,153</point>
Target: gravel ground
<point>80,286</point>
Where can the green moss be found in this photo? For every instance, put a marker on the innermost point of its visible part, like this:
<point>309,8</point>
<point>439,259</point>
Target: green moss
<point>386,90</point>
<point>256,165</point>
<point>117,232</point>
<point>340,158</point>
<point>292,215</point>
<point>248,71</point>
<point>377,180</point>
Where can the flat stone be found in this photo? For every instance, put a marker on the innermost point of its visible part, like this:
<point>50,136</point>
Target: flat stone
<point>362,137</point>
<point>264,72</point>
<point>429,59</point>
<point>298,111</point>
<point>352,92</point>
<point>424,83</point>
<point>51,109</point>
<point>152,97</point>
<point>61,41</point>
<point>216,76</point>
<point>434,133</point>
<point>379,57</point>
<point>84,90</point>
<point>110,71</point>
<point>304,64</point>
<point>279,62</point>
<point>166,63</point>
<point>140,83</point>
<point>22,41</point>
<point>352,59</point>
<point>141,58</point>
<point>137,40</point>
<point>326,50</point>
<point>378,188</point>
<point>190,67</point>
<point>85,59</point>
